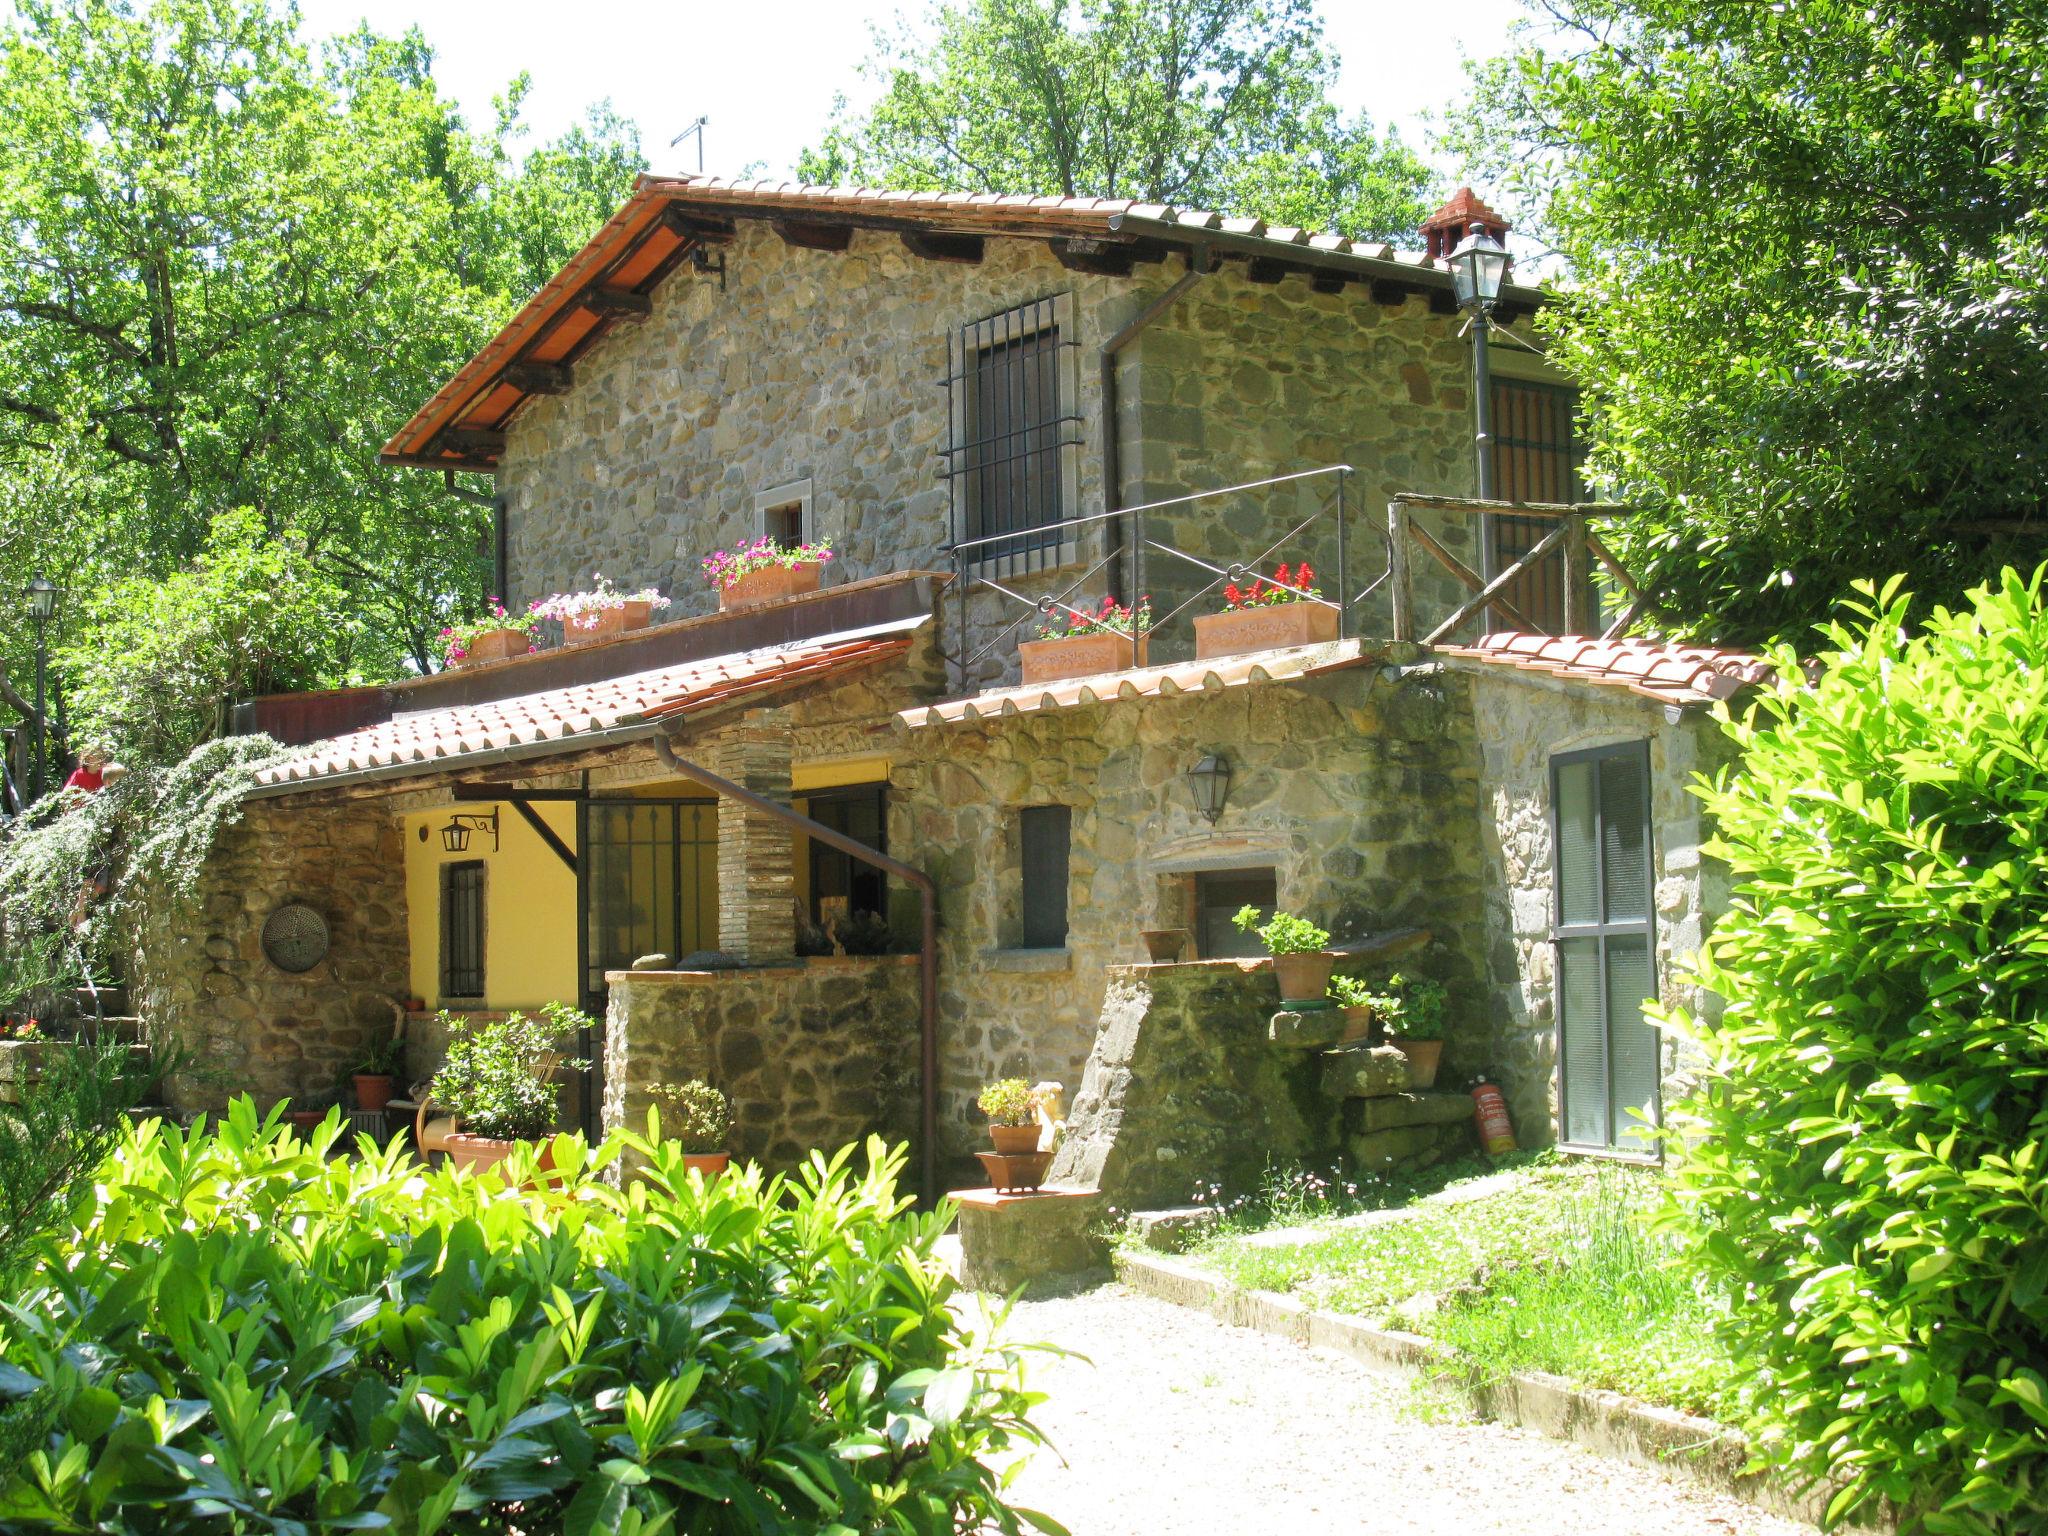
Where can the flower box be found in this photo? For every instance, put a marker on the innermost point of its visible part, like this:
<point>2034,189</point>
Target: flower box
<point>1272,627</point>
<point>1046,661</point>
<point>495,645</point>
<point>609,623</point>
<point>770,584</point>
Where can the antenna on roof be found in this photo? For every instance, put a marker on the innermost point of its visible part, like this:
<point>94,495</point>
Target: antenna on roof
<point>698,129</point>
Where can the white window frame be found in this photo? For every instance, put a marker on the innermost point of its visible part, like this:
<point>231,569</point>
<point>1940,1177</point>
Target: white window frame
<point>797,493</point>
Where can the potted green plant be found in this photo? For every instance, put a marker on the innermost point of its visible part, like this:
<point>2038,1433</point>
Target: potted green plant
<point>1287,609</point>
<point>1361,1007</point>
<point>498,1081</point>
<point>600,613</point>
<point>699,1117</point>
<point>1412,1018</point>
<point>1011,1105</point>
<point>377,1077</point>
<point>1075,642</point>
<point>496,636</point>
<point>764,571</point>
<point>1301,963</point>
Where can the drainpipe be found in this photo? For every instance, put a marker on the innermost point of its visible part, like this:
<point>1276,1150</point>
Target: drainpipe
<point>928,954</point>
<point>1200,264</point>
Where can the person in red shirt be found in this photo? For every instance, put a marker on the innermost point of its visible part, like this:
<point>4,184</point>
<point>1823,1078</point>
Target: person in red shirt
<point>90,774</point>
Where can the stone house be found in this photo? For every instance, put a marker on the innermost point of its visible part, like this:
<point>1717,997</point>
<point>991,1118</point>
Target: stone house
<point>991,407</point>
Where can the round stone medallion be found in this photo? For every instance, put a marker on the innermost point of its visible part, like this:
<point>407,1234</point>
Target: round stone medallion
<point>295,938</point>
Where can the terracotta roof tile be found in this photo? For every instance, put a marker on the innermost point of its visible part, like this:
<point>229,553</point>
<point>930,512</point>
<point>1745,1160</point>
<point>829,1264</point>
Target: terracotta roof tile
<point>1674,673</point>
<point>443,737</point>
<point>1165,682</point>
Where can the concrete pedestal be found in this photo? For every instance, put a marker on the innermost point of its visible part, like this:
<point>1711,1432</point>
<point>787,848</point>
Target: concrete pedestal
<point>1048,1235</point>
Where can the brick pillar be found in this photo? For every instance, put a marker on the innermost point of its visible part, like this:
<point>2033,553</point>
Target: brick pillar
<point>756,877</point>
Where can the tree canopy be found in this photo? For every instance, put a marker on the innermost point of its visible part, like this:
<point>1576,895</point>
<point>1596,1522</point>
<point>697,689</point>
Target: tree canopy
<point>1807,290</point>
<point>1213,103</point>
<point>234,262</point>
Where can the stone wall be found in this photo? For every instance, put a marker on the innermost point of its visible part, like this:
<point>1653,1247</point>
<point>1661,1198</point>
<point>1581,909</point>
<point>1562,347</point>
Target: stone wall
<point>1523,721</point>
<point>203,979</point>
<point>815,1054</point>
<point>810,366</point>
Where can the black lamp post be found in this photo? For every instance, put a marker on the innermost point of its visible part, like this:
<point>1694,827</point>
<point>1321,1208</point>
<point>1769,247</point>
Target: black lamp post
<point>1478,268</point>
<point>42,611</point>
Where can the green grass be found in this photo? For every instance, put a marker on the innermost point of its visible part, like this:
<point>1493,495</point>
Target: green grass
<point>1558,1271</point>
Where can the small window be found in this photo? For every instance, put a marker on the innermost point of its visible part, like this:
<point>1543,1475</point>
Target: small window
<point>1218,898</point>
<point>1536,457</point>
<point>462,929</point>
<point>1014,422</point>
<point>1044,835</point>
<point>862,813</point>
<point>783,513</point>
<point>1603,930</point>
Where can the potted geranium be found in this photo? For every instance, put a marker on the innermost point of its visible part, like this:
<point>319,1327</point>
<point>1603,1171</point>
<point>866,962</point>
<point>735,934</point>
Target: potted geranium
<point>376,1078</point>
<point>600,613</point>
<point>1011,1105</point>
<point>496,636</point>
<point>1361,1006</point>
<point>1412,1019</point>
<point>498,1081</point>
<point>1268,615</point>
<point>1301,964</point>
<point>1076,642</point>
<point>763,571</point>
<point>699,1117</point>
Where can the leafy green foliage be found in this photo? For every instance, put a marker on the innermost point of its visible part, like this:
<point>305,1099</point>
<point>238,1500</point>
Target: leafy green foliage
<point>1009,1101</point>
<point>1214,103</point>
<point>1864,1155</point>
<point>233,266</point>
<point>498,1076</point>
<point>54,1139</point>
<point>694,1114</point>
<point>262,1338</point>
<point>1808,284</point>
<point>1414,1009</point>
<point>1283,933</point>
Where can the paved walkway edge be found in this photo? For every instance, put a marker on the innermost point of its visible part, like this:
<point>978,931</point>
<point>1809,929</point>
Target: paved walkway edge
<point>1606,1422</point>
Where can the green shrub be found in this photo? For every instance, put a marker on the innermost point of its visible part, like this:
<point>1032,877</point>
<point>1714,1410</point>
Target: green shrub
<point>1010,1101</point>
<point>695,1115</point>
<point>1416,1010</point>
<point>497,1078</point>
<point>1865,1149</point>
<point>249,1336</point>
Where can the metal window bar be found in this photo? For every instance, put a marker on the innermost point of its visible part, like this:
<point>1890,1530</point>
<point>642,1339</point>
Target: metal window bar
<point>462,929</point>
<point>1011,429</point>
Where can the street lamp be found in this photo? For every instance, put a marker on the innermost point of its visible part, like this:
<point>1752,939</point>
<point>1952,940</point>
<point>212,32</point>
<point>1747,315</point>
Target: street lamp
<point>1478,268</point>
<point>1209,783</point>
<point>42,611</point>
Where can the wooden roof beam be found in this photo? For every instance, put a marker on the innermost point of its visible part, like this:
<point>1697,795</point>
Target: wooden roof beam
<point>1098,258</point>
<point>705,229</point>
<point>540,378</point>
<point>470,443</point>
<point>1385,292</point>
<point>1265,269</point>
<point>807,236</point>
<point>1330,280</point>
<point>613,302</point>
<point>933,246</point>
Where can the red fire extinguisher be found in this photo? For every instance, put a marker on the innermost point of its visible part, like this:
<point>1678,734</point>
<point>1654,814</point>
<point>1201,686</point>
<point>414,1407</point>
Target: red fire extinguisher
<point>1490,1111</point>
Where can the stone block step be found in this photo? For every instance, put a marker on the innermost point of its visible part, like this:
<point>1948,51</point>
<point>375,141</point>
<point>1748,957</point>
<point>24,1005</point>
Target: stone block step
<point>1410,1146</point>
<point>1307,1029</point>
<point>1394,1110</point>
<point>1364,1072</point>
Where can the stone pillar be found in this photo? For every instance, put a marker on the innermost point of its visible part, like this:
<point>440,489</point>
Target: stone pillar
<point>756,876</point>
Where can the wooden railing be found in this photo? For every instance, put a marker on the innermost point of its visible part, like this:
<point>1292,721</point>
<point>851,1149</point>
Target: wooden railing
<point>1573,537</point>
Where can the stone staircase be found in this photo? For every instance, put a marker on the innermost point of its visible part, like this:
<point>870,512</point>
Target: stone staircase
<point>1387,1121</point>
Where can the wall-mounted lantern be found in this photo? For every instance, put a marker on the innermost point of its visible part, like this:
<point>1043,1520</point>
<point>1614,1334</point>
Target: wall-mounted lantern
<point>1209,783</point>
<point>455,836</point>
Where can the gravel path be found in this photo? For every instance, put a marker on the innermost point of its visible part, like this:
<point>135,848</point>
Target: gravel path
<point>1177,1423</point>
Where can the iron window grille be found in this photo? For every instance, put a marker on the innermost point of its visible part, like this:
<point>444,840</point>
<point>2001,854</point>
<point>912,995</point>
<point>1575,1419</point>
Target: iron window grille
<point>1011,459</point>
<point>462,929</point>
<point>1609,1058</point>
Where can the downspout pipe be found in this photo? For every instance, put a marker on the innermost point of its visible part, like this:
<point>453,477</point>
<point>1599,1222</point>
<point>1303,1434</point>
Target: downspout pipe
<point>928,953</point>
<point>1200,264</point>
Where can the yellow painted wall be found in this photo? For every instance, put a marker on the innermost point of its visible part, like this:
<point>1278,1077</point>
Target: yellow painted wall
<point>529,905</point>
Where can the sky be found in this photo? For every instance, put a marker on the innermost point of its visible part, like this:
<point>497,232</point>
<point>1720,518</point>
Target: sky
<point>765,71</point>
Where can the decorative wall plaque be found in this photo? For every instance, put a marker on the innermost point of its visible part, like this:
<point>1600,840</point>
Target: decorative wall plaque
<point>295,938</point>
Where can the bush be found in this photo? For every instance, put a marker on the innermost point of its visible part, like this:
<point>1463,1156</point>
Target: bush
<point>1864,1153</point>
<point>248,1336</point>
<point>498,1076</point>
<point>695,1115</point>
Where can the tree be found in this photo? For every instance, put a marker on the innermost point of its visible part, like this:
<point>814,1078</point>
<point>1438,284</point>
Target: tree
<point>1807,291</point>
<point>232,267</point>
<point>1210,103</point>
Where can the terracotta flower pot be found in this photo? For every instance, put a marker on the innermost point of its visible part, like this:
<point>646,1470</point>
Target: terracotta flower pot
<point>1303,978</point>
<point>608,623</point>
<point>710,1164</point>
<point>305,1120</point>
<point>770,585</point>
<point>373,1090</point>
<point>1424,1056</point>
<point>1014,1140</point>
<point>480,1154</point>
<point>1165,946</point>
<point>1019,1171</point>
<point>1046,661</point>
<point>1357,1026</point>
<point>1270,628</point>
<point>496,645</point>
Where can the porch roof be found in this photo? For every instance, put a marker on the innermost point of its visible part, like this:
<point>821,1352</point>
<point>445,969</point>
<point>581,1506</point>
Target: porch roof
<point>1672,673</point>
<point>1165,682</point>
<point>571,718</point>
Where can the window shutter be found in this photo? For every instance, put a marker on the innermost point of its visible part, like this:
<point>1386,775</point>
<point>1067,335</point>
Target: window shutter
<point>1045,832</point>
